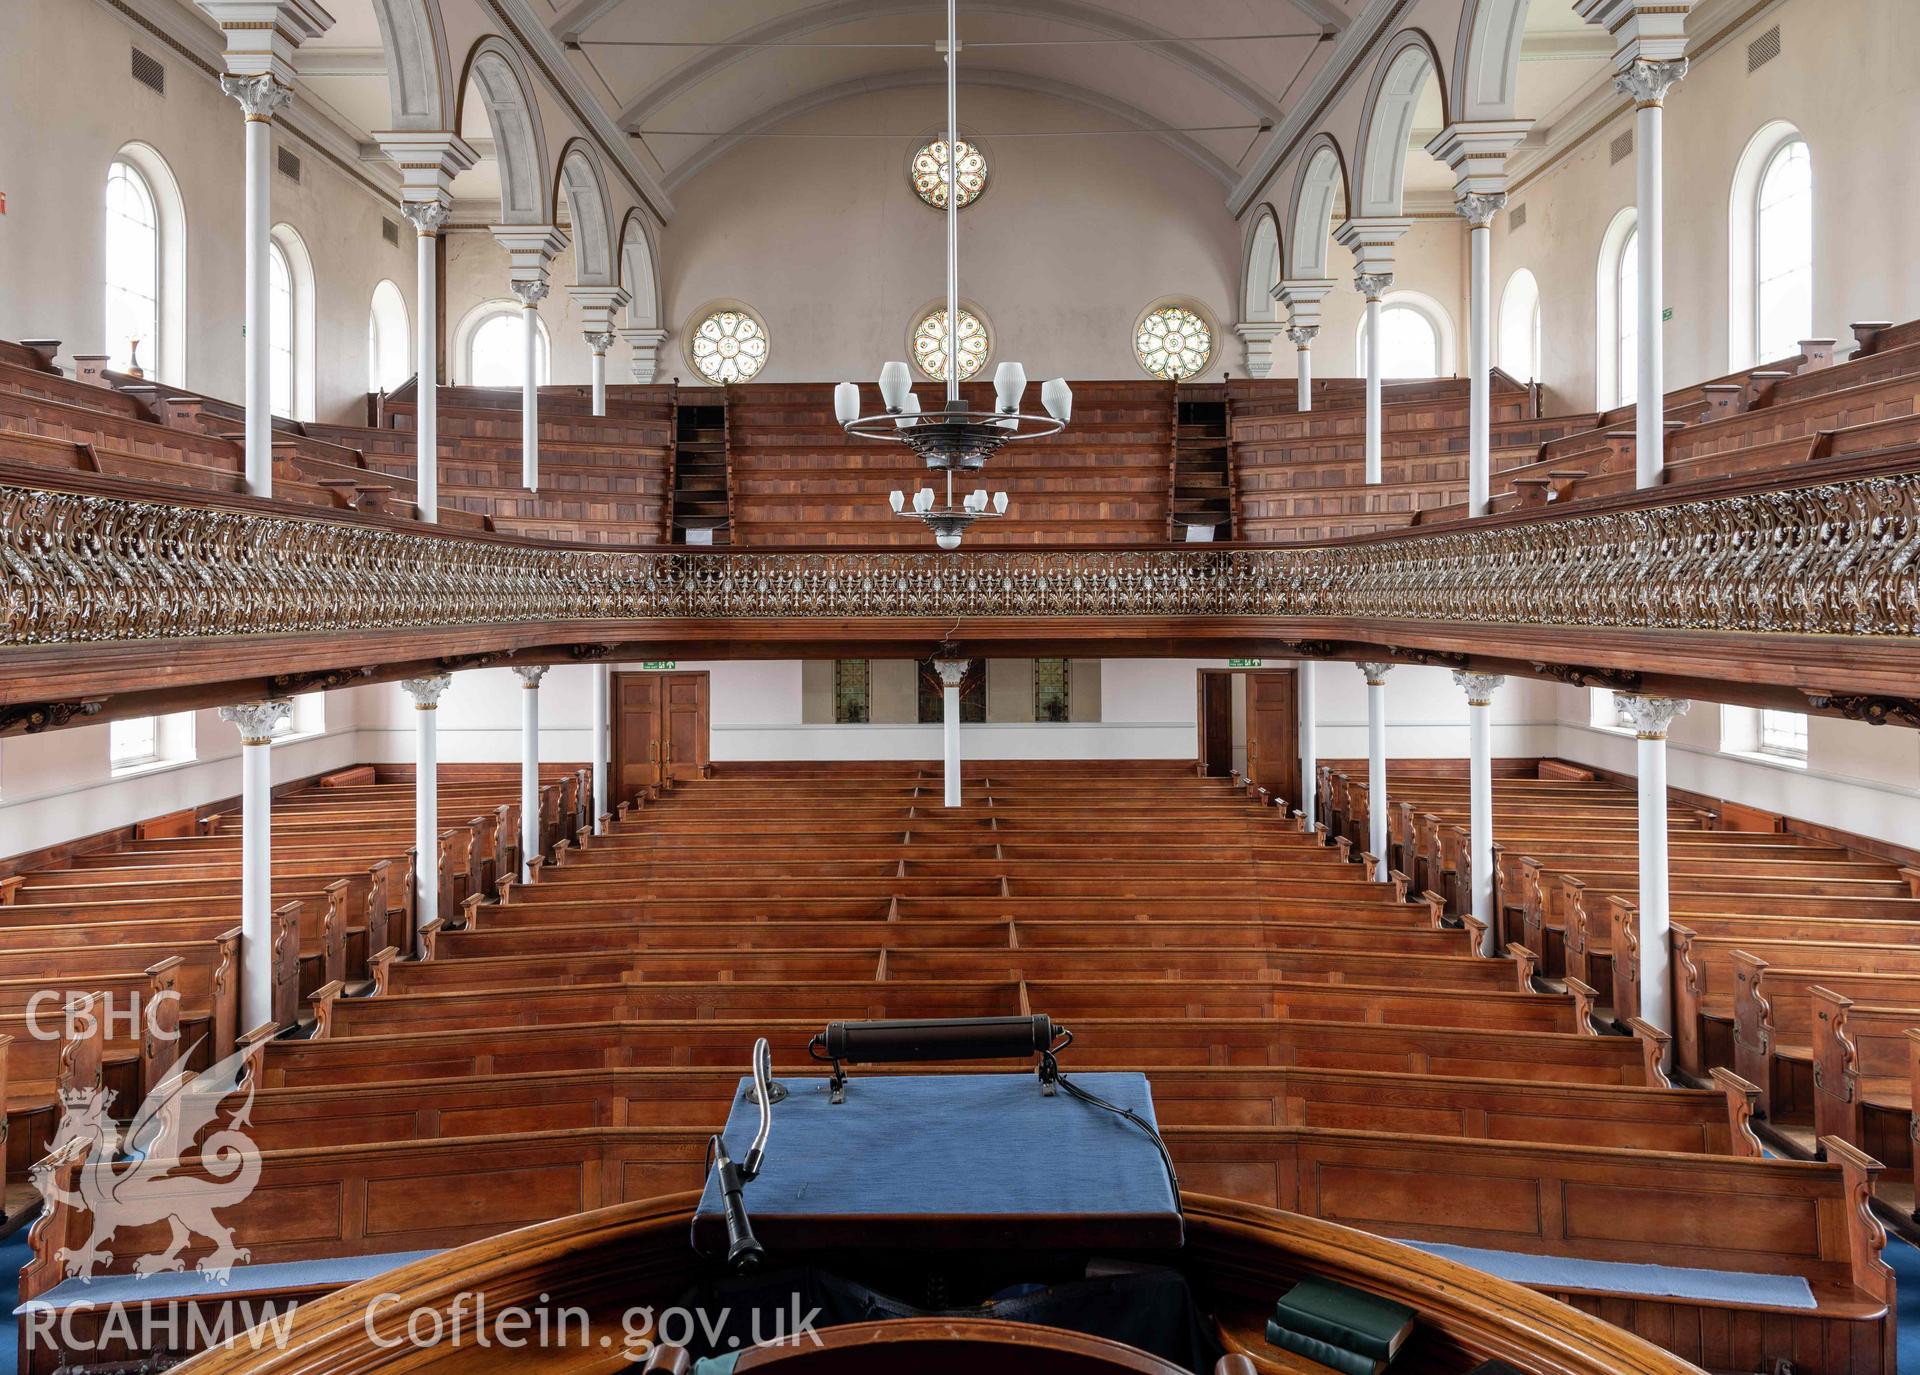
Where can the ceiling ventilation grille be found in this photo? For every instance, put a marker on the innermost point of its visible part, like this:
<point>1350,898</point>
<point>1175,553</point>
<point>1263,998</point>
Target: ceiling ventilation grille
<point>390,231</point>
<point>1622,145</point>
<point>288,163</point>
<point>149,73</point>
<point>1516,217</point>
<point>1763,49</point>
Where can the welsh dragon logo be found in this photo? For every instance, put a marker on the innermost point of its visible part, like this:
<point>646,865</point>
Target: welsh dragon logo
<point>138,1179</point>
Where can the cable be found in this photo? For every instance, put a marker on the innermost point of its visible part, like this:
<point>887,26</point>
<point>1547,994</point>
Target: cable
<point>979,133</point>
<point>1317,35</point>
<point>1050,1068</point>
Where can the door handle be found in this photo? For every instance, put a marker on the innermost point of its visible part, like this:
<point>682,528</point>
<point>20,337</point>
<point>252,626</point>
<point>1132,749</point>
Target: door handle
<point>653,752</point>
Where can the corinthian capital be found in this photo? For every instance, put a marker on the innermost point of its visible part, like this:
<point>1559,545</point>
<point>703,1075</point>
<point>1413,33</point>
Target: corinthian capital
<point>1648,82</point>
<point>426,691</point>
<point>426,217</point>
<point>257,721</point>
<point>598,342</point>
<point>1372,285</point>
<point>953,672</point>
<point>531,674</point>
<point>531,291</point>
<point>1302,335</point>
<point>1479,687</point>
<point>262,96</point>
<point>1650,715</point>
<point>1376,673</point>
<point>1478,210</point>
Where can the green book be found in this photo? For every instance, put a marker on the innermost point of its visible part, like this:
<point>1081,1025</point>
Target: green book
<point>1361,1322</point>
<point>1326,1353</point>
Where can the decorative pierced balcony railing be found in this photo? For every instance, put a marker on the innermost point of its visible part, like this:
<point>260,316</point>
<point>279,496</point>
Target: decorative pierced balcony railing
<point>1836,559</point>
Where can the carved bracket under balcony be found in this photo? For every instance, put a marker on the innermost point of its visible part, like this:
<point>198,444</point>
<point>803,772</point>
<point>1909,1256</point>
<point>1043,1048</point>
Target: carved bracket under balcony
<point>1579,675</point>
<point>30,718</point>
<point>1877,711</point>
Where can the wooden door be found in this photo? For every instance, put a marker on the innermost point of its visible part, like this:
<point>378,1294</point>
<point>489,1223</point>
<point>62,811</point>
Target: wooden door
<point>637,718</point>
<point>684,748</point>
<point>1216,723</point>
<point>1273,734</point>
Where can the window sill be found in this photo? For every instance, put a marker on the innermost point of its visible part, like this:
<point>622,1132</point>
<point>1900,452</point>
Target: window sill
<point>293,737</point>
<point>147,766</point>
<point>1768,757</point>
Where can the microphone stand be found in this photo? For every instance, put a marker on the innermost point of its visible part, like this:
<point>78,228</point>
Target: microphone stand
<point>744,1252</point>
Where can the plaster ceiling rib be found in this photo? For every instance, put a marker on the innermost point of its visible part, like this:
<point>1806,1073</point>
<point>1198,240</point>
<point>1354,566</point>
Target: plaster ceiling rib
<point>575,19</point>
<point>1090,16</point>
<point>1326,13</point>
<point>1196,152</point>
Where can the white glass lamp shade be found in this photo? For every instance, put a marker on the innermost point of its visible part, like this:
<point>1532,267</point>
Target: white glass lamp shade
<point>898,501</point>
<point>923,499</point>
<point>948,539</point>
<point>1009,383</point>
<point>846,402</point>
<point>1057,397</point>
<point>1000,503</point>
<point>907,412</point>
<point>977,500</point>
<point>896,385</point>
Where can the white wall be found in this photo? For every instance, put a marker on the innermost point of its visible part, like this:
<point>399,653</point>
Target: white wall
<point>72,105</point>
<point>1850,84</point>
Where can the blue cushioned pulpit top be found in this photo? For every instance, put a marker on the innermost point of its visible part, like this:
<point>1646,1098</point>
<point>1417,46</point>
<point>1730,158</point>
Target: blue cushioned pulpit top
<point>952,1145</point>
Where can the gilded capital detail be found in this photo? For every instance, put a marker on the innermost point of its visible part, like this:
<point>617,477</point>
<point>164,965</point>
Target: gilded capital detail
<point>953,672</point>
<point>426,691</point>
<point>1372,285</point>
<point>1302,335</point>
<point>261,96</point>
<point>1649,82</point>
<point>531,674</point>
<point>531,290</point>
<point>1376,673</point>
<point>1478,210</point>
<point>1479,687</point>
<point>257,721</point>
<point>599,343</point>
<point>426,217</point>
<point>1650,715</point>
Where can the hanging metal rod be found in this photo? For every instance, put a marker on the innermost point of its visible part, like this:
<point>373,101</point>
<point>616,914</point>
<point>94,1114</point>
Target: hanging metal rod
<point>1316,34</point>
<point>978,133</point>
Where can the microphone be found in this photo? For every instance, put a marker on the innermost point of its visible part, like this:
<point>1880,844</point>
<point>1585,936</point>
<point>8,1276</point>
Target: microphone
<point>744,1251</point>
<point>940,1038</point>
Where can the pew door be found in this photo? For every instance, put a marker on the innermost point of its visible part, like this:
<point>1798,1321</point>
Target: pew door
<point>637,730</point>
<point>1273,733</point>
<point>684,734</point>
<point>1216,722</point>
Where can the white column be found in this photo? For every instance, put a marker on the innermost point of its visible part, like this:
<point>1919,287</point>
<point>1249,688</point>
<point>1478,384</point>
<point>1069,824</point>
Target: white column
<point>530,676</point>
<point>426,218</point>
<point>257,722</point>
<point>1302,336</point>
<point>1651,716</point>
<point>600,343</point>
<point>425,693</point>
<point>953,673</point>
<point>1478,211</point>
<point>602,725</point>
<point>260,97</point>
<point>1373,285</point>
<point>1480,688</point>
<point>1309,743</point>
<point>1648,83</point>
<point>531,294</point>
<point>1376,675</point>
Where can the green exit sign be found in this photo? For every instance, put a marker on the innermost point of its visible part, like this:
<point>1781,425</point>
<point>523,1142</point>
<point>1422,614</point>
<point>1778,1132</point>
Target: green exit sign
<point>1246,663</point>
<point>660,665</point>
<point>1666,316</point>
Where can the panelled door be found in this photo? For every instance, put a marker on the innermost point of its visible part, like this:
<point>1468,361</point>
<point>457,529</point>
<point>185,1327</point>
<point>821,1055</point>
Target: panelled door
<point>660,729</point>
<point>1273,733</point>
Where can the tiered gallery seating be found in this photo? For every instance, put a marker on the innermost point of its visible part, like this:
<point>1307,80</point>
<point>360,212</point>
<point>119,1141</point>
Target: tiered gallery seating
<point>1318,1040</point>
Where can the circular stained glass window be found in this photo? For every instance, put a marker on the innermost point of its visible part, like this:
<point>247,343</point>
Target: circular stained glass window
<point>729,346</point>
<point>1173,343</point>
<point>930,343</point>
<point>929,174</point>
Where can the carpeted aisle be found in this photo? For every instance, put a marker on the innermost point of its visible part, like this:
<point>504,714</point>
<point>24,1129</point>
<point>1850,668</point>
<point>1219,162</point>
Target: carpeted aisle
<point>1905,1261</point>
<point>14,1254</point>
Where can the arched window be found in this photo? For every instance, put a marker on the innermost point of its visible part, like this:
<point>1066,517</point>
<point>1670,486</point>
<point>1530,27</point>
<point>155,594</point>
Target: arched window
<point>496,346</point>
<point>1415,338</point>
<point>1520,327</point>
<point>1616,314</point>
<point>388,337</point>
<point>1783,253</point>
<point>1626,321</point>
<point>290,325</point>
<point>133,269</point>
<point>1770,248</point>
